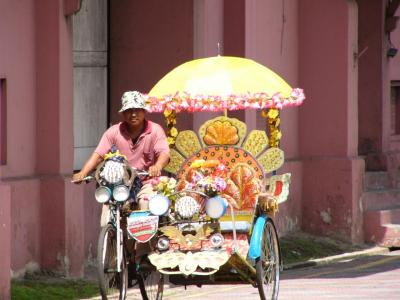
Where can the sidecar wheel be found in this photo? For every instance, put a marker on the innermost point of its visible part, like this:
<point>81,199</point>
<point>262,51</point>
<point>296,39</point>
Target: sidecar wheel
<point>151,284</point>
<point>111,282</point>
<point>267,265</point>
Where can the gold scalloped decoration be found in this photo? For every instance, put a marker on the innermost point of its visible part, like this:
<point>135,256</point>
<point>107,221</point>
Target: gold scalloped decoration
<point>175,163</point>
<point>256,142</point>
<point>187,143</point>
<point>222,131</point>
<point>272,159</point>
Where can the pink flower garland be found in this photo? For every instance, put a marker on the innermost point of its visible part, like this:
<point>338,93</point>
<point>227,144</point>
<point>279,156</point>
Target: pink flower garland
<point>185,102</point>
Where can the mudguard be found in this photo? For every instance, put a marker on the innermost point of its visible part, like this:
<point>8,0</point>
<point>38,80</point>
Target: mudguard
<point>256,236</point>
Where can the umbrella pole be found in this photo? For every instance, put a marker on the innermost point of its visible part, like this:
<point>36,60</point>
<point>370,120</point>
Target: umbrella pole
<point>225,113</point>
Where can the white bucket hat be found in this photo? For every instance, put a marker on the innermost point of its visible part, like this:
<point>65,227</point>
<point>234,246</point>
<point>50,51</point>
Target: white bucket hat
<point>132,99</point>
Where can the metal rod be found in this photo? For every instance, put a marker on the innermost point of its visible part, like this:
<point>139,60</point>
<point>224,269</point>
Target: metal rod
<point>119,242</point>
<point>234,227</point>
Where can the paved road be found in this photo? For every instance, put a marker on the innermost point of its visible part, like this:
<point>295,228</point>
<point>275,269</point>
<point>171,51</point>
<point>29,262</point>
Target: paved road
<point>375,277</point>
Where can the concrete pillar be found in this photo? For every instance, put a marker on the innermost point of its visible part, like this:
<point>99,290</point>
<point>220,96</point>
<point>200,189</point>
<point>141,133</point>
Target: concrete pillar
<point>332,171</point>
<point>147,40</point>
<point>235,38</point>
<point>207,34</point>
<point>271,38</point>
<point>54,155</point>
<point>5,241</point>
<point>373,84</point>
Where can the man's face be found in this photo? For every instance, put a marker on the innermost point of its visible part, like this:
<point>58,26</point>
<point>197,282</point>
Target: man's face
<point>134,116</point>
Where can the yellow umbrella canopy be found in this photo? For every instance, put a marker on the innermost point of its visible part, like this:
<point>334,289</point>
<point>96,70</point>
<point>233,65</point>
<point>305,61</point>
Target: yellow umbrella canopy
<point>219,83</point>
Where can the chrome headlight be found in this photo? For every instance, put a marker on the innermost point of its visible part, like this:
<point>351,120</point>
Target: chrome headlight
<point>102,194</point>
<point>163,243</point>
<point>217,240</point>
<point>216,207</point>
<point>121,193</point>
<point>187,207</point>
<point>159,205</point>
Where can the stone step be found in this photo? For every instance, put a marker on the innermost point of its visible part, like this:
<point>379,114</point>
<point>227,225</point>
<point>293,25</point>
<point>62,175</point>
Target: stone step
<point>380,199</point>
<point>379,180</point>
<point>389,236</point>
<point>382,227</point>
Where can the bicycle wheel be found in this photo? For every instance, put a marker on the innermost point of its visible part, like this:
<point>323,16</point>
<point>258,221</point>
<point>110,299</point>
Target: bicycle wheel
<point>113,284</point>
<point>151,284</point>
<point>267,265</point>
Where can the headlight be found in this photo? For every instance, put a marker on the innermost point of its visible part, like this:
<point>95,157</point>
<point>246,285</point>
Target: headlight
<point>217,240</point>
<point>163,243</point>
<point>121,193</point>
<point>216,207</point>
<point>159,205</point>
<point>187,207</point>
<point>102,194</point>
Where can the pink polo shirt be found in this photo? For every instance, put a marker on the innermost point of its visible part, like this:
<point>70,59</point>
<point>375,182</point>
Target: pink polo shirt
<point>144,152</point>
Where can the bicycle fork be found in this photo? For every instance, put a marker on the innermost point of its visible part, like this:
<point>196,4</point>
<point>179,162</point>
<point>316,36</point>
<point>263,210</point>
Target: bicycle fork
<point>119,242</point>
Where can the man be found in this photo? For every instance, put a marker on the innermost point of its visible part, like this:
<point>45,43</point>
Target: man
<point>143,143</point>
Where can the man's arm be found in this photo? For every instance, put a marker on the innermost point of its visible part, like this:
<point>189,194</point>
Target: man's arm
<point>88,167</point>
<point>162,161</point>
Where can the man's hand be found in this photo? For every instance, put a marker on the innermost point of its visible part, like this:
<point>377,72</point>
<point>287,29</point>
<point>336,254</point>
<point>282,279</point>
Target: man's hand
<point>155,170</point>
<point>78,177</point>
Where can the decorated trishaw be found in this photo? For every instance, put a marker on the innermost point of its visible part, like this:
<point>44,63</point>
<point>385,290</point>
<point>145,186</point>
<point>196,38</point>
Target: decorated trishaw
<point>216,209</point>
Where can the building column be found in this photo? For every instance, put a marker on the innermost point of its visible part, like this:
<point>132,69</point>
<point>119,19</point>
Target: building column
<point>54,151</point>
<point>328,123</point>
<point>373,84</point>
<point>208,20</point>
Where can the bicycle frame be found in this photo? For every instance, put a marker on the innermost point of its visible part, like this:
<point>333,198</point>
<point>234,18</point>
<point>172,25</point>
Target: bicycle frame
<point>114,217</point>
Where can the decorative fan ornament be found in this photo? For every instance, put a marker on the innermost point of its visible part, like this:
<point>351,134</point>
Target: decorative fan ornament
<point>113,171</point>
<point>221,133</point>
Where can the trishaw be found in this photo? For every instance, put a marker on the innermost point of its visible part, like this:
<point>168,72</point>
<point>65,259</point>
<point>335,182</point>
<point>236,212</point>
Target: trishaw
<point>211,221</point>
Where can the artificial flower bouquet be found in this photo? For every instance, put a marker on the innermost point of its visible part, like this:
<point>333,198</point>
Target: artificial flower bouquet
<point>208,177</point>
<point>165,185</point>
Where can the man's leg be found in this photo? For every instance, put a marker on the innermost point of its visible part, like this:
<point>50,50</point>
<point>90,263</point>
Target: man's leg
<point>105,215</point>
<point>143,200</point>
<point>144,195</point>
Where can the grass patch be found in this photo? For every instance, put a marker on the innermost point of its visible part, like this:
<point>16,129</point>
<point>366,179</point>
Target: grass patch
<point>299,247</point>
<point>52,289</point>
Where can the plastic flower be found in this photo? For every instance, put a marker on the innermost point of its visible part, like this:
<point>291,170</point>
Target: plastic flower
<point>170,140</point>
<point>273,113</point>
<point>167,112</point>
<point>173,132</point>
<point>220,184</point>
<point>171,183</point>
<point>198,163</point>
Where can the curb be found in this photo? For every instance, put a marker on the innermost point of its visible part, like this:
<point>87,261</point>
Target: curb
<point>336,258</point>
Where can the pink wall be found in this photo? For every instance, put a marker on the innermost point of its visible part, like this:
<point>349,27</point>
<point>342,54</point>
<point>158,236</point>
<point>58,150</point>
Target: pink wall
<point>394,69</point>
<point>394,63</point>
<point>53,223</point>
<point>5,241</point>
<point>148,39</point>
<point>372,85</point>
<point>274,43</point>
<point>17,65</point>
<point>332,172</point>
<point>38,69</point>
